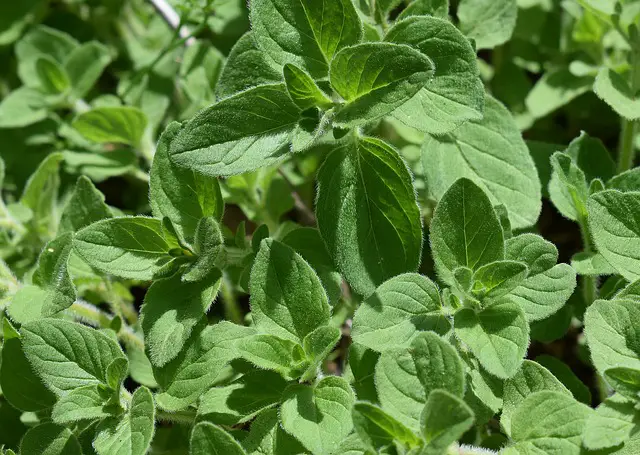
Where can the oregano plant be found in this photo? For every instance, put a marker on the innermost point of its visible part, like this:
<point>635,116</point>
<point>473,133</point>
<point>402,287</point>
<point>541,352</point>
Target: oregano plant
<point>286,227</point>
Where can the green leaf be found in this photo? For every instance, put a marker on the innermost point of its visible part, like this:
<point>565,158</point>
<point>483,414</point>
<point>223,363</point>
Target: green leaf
<point>100,166</point>
<point>269,352</point>
<point>367,213</point>
<point>376,78</point>
<point>86,206</point>
<point>53,78</point>
<point>130,434</point>
<point>246,67</point>
<point>41,192</point>
<point>531,377</point>
<point>405,377</point>
<point>22,107</point>
<point>266,436</point>
<point>437,8</point>
<point>26,304</point>
<point>465,230</point>
<point>67,355</point>
<point>548,286</point>
<point>287,298</point>
<point>444,420</point>
<point>317,345</point>
<point>83,403</point>
<point>52,275</point>
<point>196,368</point>
<point>549,421</point>
<point>493,155</point>
<point>615,227</point>
<point>171,310</point>
<point>117,124</point>
<point>378,429</point>
<point>21,386</point>
<point>397,311</point>
<point>611,333</point>
<point>84,65</point>
<point>497,336</point>
<point>14,17</point>
<point>612,423</point>
<point>210,439</point>
<point>209,246</point>
<point>318,416</point>
<point>243,399</point>
<point>128,247</point>
<point>304,33</point>
<point>555,89</point>
<point>303,90</point>
<point>614,90</point>
<point>360,371</point>
<point>488,22</point>
<point>455,94</point>
<point>592,264</point>
<point>626,181</point>
<point>41,41</point>
<point>182,195</point>
<point>242,133</point>
<point>498,278</point>
<point>139,366</point>
<point>564,374</point>
<point>625,381</point>
<point>49,439</point>
<point>308,243</point>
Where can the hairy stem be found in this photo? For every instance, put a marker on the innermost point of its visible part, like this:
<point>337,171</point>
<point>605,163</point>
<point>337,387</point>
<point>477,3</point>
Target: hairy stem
<point>231,308</point>
<point>589,283</point>
<point>181,417</point>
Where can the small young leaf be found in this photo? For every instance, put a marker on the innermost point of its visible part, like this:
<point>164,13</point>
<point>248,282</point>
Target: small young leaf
<point>84,65</point>
<point>378,429</point>
<point>303,32</point>
<point>444,420</point>
<point>238,134</point>
<point>49,439</point>
<point>85,207</point>
<point>490,152</point>
<point>303,90</point>
<point>183,196</point>
<point>52,276</point>
<point>131,434</point>
<point>498,278</point>
<point>498,336</point>
<point>287,298</point>
<point>488,22</point>
<point>376,78</point>
<point>171,310</point>
<point>465,230</point>
<point>210,439</point>
<point>272,353</point>
<point>365,195</point>
<point>318,416</point>
<point>67,355</point>
<point>209,246</point>
<point>121,125</point>
<point>317,345</point>
<point>266,436</point>
<point>381,321</point>
<point>53,78</point>
<point>455,94</point>
<point>625,381</point>
<point>128,247</point>
<point>83,403</point>
<point>613,217</point>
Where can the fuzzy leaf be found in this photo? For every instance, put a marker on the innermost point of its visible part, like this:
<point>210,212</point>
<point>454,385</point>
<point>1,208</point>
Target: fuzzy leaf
<point>83,403</point>
<point>49,439</point>
<point>615,91</point>
<point>493,155</point>
<point>612,423</point>
<point>498,336</point>
<point>122,125</point>
<point>303,90</point>
<point>397,311</point>
<point>378,429</point>
<point>84,65</point>
<point>455,94</point>
<point>376,78</point>
<point>53,276</point>
<point>444,420</point>
<point>488,22</point>
<point>367,213</point>
<point>210,439</point>
<point>85,207</point>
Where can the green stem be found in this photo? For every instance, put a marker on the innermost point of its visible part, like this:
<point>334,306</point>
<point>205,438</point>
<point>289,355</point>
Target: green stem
<point>231,308</point>
<point>627,153</point>
<point>181,417</point>
<point>589,283</point>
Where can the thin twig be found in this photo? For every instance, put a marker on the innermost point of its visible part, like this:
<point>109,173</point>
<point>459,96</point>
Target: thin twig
<point>308,216</point>
<point>172,18</point>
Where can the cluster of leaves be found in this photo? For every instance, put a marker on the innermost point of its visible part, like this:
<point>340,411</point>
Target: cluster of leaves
<point>203,307</point>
